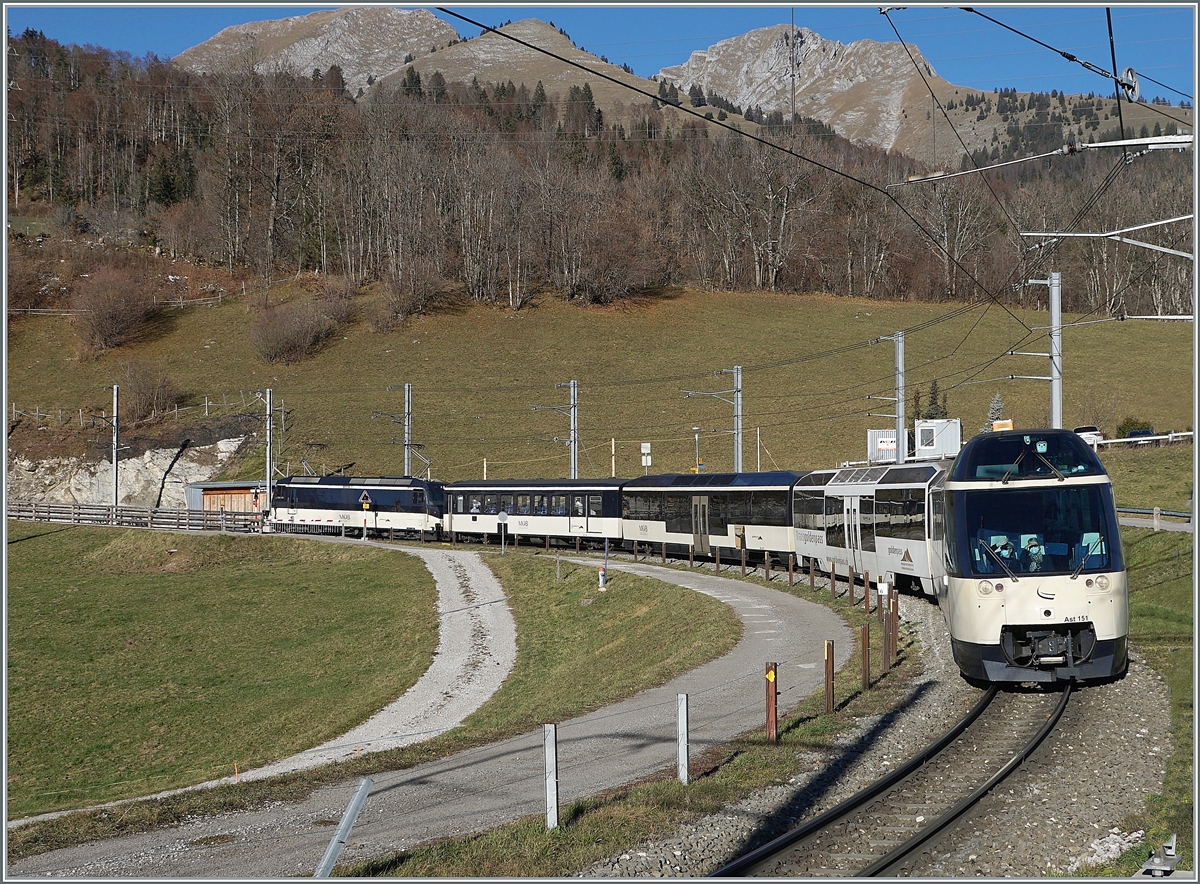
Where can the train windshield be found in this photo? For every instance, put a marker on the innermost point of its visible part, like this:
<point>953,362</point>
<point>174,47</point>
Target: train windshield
<point>1051,530</point>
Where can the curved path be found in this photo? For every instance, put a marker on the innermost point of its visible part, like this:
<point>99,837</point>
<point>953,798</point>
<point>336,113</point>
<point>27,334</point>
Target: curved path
<point>477,647</point>
<point>488,786</point>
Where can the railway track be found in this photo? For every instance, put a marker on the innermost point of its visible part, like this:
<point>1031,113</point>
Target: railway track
<point>882,829</point>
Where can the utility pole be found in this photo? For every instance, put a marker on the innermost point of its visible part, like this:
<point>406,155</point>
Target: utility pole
<point>270,449</point>
<point>1054,282</point>
<point>410,447</point>
<point>572,411</point>
<point>901,418</point>
<point>408,429</point>
<point>901,421</point>
<point>116,496</point>
<point>736,402</point>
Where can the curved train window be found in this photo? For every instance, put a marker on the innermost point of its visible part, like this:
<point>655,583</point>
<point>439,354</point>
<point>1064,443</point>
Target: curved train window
<point>647,505</point>
<point>506,503</point>
<point>907,475</point>
<point>1026,455</point>
<point>900,513</point>
<point>558,504</point>
<point>594,505</point>
<point>523,505</point>
<point>808,509</point>
<point>815,479</point>
<point>418,497</point>
<point>475,503</point>
<point>541,504</point>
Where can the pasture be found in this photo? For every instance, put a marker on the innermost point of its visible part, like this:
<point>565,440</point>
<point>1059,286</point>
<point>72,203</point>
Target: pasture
<point>477,371</point>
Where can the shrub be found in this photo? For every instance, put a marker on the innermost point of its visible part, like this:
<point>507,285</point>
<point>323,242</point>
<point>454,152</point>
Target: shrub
<point>116,306</point>
<point>289,333</point>
<point>1127,426</point>
<point>146,391</point>
<point>335,301</point>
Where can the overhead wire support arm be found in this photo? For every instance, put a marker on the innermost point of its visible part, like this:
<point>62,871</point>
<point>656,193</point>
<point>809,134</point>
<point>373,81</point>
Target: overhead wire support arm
<point>736,402</point>
<point>572,412</point>
<point>1119,236</point>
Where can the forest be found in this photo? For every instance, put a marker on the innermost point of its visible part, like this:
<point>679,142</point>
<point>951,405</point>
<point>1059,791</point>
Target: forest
<point>503,193</point>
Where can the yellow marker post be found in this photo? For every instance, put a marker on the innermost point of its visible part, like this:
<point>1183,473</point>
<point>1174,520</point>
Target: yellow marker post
<point>772,711</point>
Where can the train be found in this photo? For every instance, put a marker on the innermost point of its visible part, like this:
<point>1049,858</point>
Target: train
<point>1034,586</point>
<point>1035,592</point>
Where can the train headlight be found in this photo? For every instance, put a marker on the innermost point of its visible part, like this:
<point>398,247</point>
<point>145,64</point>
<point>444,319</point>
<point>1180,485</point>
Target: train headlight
<point>1102,583</point>
<point>985,587</point>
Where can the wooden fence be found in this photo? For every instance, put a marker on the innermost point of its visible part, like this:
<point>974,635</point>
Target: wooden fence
<point>132,516</point>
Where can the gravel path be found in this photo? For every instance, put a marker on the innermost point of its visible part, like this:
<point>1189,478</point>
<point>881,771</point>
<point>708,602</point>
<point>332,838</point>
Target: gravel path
<point>477,647</point>
<point>1060,811</point>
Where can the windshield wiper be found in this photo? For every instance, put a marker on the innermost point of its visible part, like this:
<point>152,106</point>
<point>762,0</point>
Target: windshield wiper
<point>1057,471</point>
<point>1087,555</point>
<point>1016,463</point>
<point>995,555</point>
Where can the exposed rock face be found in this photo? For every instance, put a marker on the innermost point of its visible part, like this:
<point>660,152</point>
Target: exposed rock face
<point>139,479</point>
<point>861,89</point>
<point>364,42</point>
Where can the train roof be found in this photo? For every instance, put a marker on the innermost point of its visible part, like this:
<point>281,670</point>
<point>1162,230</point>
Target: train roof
<point>773,478</point>
<point>510,484</point>
<point>1025,454</point>
<point>372,481</point>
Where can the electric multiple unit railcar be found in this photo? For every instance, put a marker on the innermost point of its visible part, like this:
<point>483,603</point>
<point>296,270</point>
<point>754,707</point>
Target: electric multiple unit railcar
<point>562,508</point>
<point>750,511</point>
<point>871,519</point>
<point>382,506</point>
<point>1035,589</point>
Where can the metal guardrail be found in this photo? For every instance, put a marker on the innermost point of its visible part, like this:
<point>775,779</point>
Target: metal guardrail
<point>1134,511</point>
<point>1169,438</point>
<point>132,516</point>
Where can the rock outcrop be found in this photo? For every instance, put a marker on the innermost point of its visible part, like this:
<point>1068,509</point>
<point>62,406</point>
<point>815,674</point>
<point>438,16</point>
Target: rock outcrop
<point>155,478</point>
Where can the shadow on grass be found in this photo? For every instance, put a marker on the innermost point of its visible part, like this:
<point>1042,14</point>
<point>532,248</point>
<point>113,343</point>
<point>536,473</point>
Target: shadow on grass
<point>42,534</point>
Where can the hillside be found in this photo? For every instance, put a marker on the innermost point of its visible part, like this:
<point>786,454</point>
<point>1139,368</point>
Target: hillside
<point>477,371</point>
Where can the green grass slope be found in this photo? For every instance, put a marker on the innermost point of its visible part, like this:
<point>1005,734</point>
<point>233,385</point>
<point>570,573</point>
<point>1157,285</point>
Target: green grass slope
<point>477,371</point>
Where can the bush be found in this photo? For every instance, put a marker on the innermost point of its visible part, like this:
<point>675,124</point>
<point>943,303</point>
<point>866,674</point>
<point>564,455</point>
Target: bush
<point>146,391</point>
<point>1127,426</point>
<point>336,299</point>
<point>117,307</point>
<point>288,334</point>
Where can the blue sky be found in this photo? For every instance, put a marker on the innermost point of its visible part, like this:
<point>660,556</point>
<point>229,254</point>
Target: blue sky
<point>1158,41</point>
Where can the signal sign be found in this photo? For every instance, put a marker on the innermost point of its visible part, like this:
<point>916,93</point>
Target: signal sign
<point>365,499</point>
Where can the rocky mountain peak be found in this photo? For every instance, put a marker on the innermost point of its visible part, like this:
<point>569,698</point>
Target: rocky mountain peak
<point>860,89</point>
<point>365,42</point>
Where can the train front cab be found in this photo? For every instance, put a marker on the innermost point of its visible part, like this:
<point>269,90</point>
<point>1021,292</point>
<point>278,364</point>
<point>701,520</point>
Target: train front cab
<point>1035,589</point>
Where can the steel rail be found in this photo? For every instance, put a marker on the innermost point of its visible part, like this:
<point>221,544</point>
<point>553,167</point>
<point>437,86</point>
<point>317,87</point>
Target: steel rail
<point>902,852</point>
<point>761,855</point>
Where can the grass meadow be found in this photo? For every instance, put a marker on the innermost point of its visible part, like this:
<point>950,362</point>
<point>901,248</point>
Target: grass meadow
<point>477,371</point>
